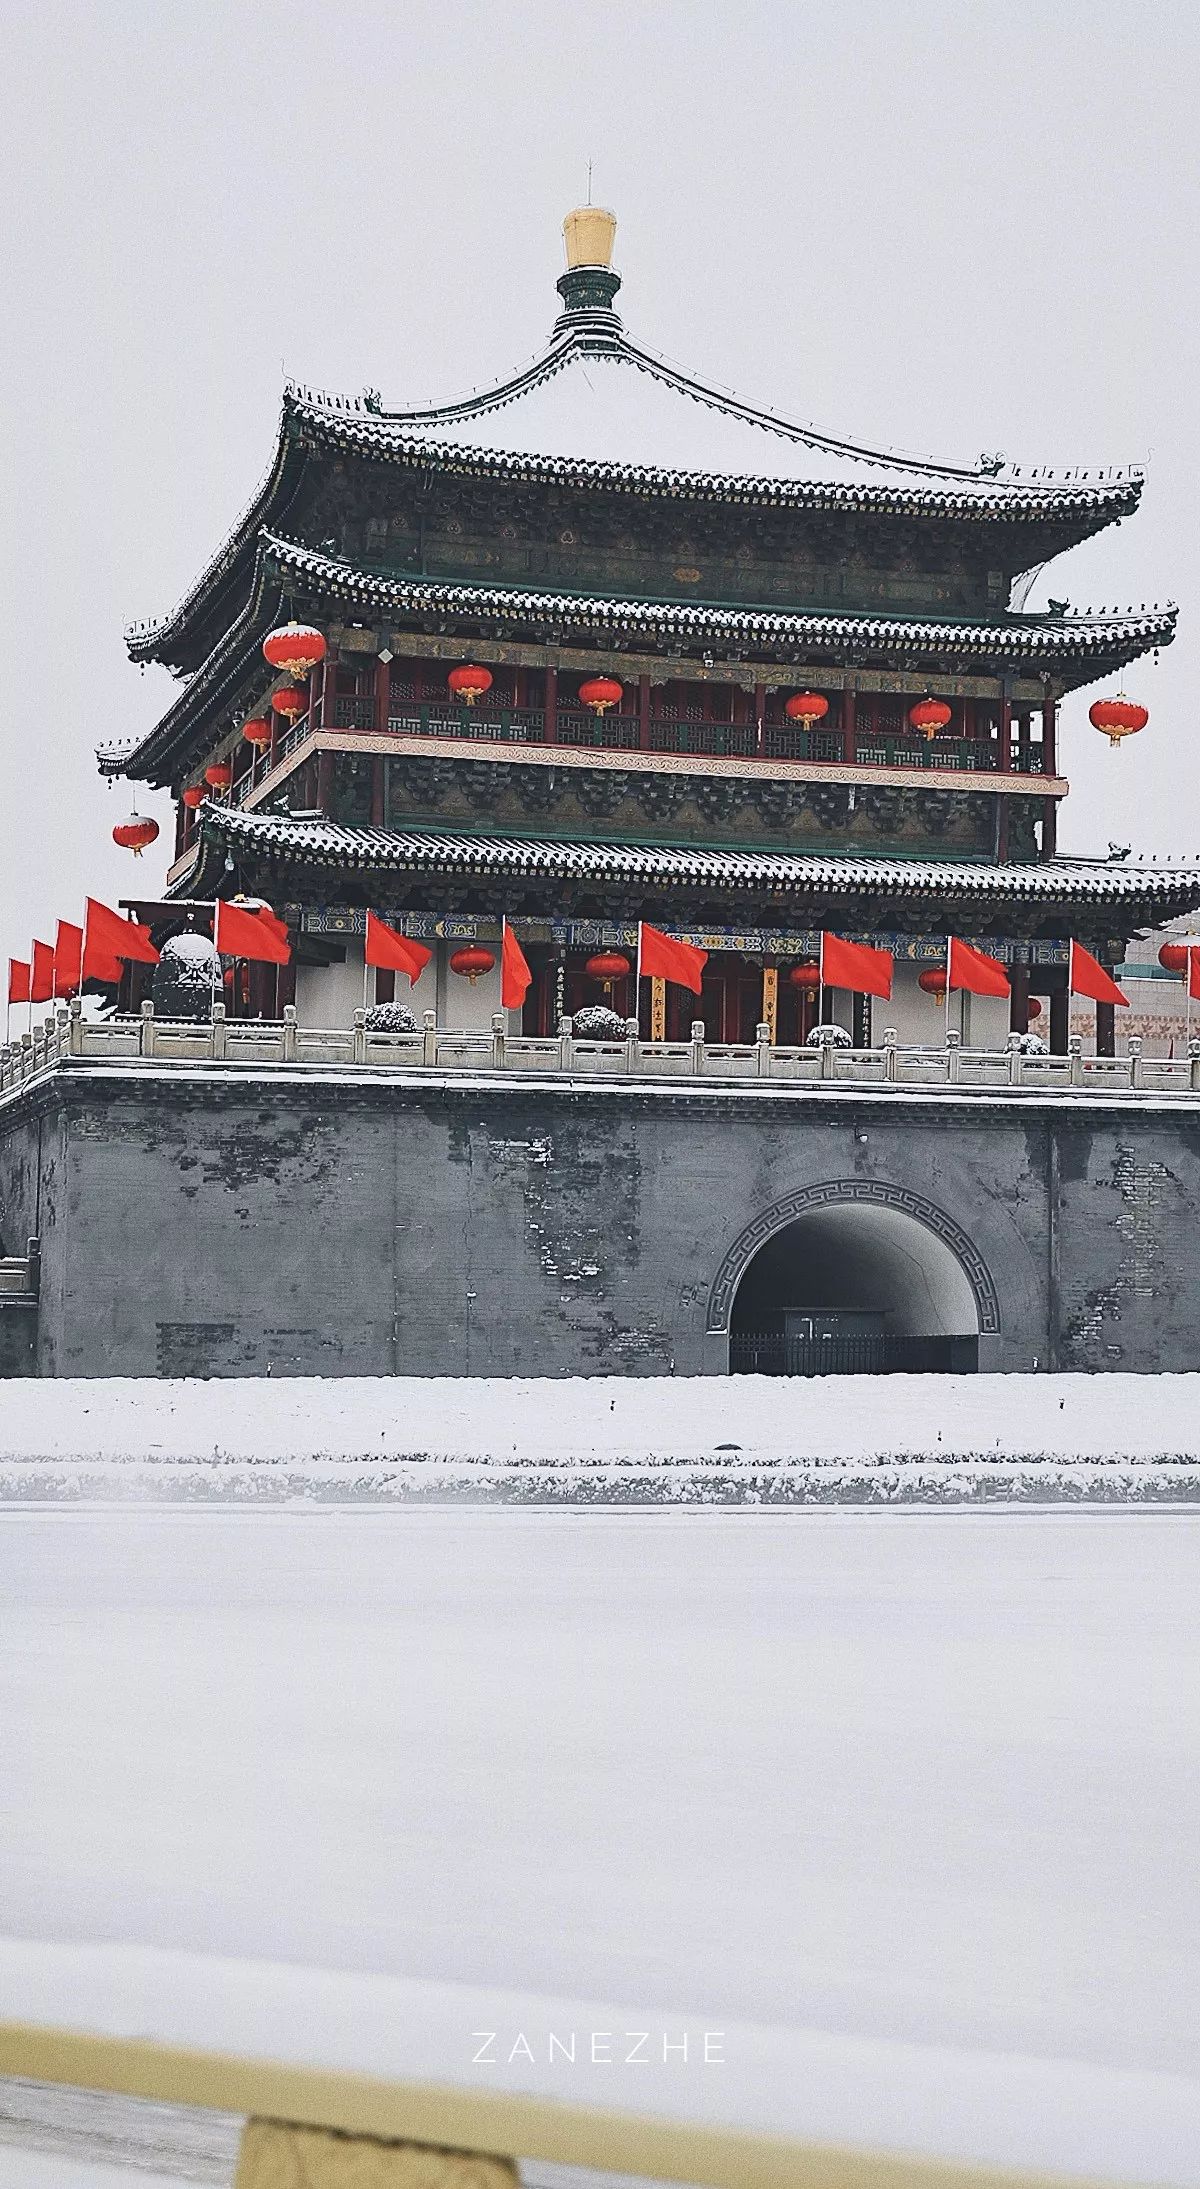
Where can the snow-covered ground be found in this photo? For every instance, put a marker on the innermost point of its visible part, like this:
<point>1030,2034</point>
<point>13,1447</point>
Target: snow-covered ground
<point>902,1804</point>
<point>744,1439</point>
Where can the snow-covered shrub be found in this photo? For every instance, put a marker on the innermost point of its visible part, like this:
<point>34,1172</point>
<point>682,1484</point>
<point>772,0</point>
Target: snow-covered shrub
<point>186,978</point>
<point>1029,1044</point>
<point>597,1023</point>
<point>829,1037</point>
<point>390,1018</point>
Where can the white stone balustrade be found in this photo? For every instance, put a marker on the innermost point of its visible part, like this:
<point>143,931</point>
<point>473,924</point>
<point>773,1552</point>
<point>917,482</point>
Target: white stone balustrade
<point>251,1043</point>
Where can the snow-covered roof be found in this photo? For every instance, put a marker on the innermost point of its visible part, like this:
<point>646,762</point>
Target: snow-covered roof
<point>609,410</point>
<point>795,874</point>
<point>1012,638</point>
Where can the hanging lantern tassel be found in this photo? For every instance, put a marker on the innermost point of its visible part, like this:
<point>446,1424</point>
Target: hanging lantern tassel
<point>929,716</point>
<point>933,981</point>
<point>607,967</point>
<point>135,834</point>
<point>1118,718</point>
<point>470,682</point>
<point>294,648</point>
<point>600,692</point>
<point>470,963</point>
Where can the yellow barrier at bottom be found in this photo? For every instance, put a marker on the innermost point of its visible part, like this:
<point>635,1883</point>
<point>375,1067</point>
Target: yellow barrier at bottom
<point>277,2155</point>
<point>366,2115</point>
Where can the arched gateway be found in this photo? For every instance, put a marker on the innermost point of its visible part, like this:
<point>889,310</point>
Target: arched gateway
<point>853,1276</point>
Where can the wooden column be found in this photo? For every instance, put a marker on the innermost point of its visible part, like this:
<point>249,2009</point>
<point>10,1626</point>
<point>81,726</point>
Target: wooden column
<point>550,703</point>
<point>377,791</point>
<point>1060,1018</point>
<point>644,713</point>
<point>1024,739</point>
<point>849,723</point>
<point>1001,831</point>
<point>760,719</point>
<point>383,695</point>
<point>1004,735</point>
<point>1049,737</point>
<point>1018,1006</point>
<point>1049,827</point>
<point>1106,1029</point>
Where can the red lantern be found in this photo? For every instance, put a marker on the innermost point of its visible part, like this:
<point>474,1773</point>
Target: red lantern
<point>929,716</point>
<point>933,981</point>
<point>599,692</point>
<point>135,833</point>
<point>472,961</point>
<point>470,682</point>
<point>294,648</point>
<point>289,701</point>
<point>257,731</point>
<point>1118,718</point>
<point>220,775</point>
<point>607,967</point>
<point>1035,1007</point>
<point>1173,957</point>
<point>806,708</point>
<point>193,796</point>
<point>806,977</point>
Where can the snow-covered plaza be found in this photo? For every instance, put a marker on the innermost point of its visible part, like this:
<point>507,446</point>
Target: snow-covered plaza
<point>889,1813</point>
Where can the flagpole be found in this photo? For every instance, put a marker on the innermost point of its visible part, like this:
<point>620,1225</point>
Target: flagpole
<point>1188,985</point>
<point>821,979</point>
<point>947,991</point>
<point>637,987</point>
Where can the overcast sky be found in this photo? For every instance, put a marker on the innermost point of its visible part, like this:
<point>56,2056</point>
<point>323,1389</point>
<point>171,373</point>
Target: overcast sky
<point>937,227</point>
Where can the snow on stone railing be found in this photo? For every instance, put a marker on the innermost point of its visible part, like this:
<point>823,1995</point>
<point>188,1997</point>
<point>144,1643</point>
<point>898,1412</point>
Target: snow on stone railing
<point>147,1039</point>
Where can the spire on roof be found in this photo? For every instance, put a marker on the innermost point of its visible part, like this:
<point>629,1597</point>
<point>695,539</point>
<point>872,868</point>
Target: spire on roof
<point>589,284</point>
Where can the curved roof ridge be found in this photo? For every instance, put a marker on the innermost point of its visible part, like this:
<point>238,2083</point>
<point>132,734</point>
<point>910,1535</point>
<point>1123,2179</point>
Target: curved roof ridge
<point>618,345</point>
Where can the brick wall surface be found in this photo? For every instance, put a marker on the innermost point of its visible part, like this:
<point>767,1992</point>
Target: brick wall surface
<point>222,1226</point>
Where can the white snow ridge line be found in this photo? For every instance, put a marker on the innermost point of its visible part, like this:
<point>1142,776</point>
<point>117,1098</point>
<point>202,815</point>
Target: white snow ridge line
<point>744,1441</point>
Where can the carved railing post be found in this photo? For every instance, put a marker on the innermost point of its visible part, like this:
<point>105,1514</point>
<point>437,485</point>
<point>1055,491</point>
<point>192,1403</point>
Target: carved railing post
<point>889,1054</point>
<point>1135,1060</point>
<point>698,1047</point>
<point>75,1029</point>
<point>290,1025</point>
<point>499,1034</point>
<point>219,1037</point>
<point>1014,1060</point>
<point>146,1031</point>
<point>953,1056</point>
<point>429,1043</point>
<point>633,1046</point>
<point>1075,1053</point>
<point>1194,1065</point>
<point>762,1049</point>
<point>358,1039</point>
<point>566,1045</point>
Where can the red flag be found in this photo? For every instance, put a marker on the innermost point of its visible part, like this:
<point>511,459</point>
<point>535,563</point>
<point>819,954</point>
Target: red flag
<point>108,938</point>
<point>18,981</point>
<point>515,975</point>
<point>1194,974</point>
<point>68,959</point>
<point>1087,977</point>
<point>251,931</point>
<point>662,958</point>
<point>41,985</point>
<point>853,965</point>
<point>395,952</point>
<point>974,970</point>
